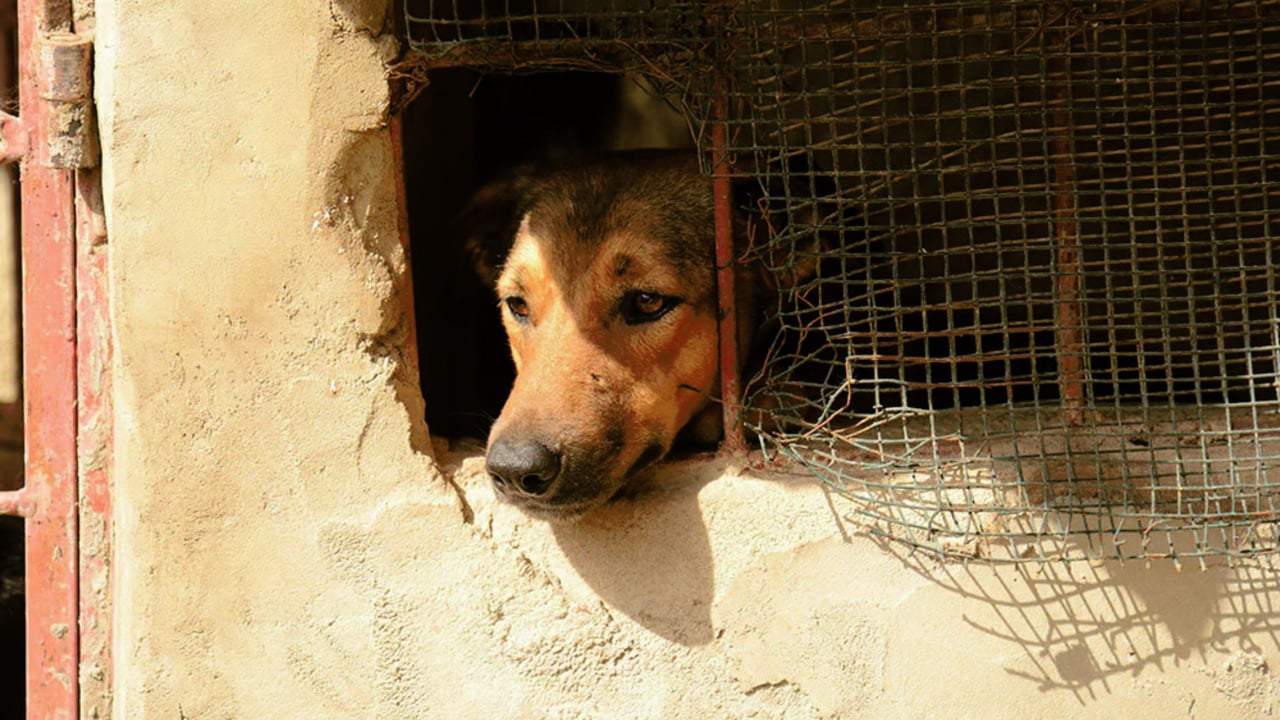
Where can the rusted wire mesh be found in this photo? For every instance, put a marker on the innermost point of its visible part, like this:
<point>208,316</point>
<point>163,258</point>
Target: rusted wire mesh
<point>1026,251</point>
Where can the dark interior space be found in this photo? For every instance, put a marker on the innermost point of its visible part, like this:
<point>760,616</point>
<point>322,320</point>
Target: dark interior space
<point>460,133</point>
<point>12,617</point>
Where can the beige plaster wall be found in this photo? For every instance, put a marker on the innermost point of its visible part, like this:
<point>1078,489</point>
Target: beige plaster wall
<point>287,547</point>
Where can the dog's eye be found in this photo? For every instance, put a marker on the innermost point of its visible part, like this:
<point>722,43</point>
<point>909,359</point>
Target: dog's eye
<point>642,307</point>
<point>518,307</point>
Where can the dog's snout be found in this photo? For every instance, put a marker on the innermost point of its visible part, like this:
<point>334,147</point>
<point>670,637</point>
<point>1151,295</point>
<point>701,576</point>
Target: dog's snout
<point>522,467</point>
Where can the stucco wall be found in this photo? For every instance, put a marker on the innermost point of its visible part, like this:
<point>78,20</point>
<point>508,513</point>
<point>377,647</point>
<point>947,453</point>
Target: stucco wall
<point>287,547</point>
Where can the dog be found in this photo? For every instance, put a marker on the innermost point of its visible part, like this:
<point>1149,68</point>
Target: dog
<point>605,276</point>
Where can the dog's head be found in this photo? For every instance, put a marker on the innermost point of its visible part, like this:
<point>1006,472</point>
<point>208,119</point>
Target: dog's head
<point>605,279</point>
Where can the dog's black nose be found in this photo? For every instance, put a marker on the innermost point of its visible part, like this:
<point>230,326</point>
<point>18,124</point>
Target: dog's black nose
<point>522,467</point>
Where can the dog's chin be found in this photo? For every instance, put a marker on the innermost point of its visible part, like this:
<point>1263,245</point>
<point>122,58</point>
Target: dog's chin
<point>558,514</point>
<point>555,512</point>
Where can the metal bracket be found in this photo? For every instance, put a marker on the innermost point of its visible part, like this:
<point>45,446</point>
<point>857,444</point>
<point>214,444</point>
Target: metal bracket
<point>17,502</point>
<point>71,133</point>
<point>13,138</point>
<point>64,81</point>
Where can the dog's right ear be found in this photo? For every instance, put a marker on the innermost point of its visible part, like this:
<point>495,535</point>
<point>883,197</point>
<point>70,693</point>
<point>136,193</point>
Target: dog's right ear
<point>488,223</point>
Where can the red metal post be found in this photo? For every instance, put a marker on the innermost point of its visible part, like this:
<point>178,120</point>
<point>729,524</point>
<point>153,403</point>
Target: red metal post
<point>49,381</point>
<point>722,189</point>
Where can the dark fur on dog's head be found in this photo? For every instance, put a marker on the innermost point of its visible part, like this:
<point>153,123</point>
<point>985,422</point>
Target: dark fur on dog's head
<point>605,276</point>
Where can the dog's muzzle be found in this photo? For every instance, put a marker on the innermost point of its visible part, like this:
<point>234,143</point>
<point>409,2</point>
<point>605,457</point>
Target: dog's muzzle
<point>522,469</point>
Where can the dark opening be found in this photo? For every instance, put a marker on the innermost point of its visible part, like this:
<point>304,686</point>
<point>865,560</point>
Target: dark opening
<point>12,619</point>
<point>461,132</point>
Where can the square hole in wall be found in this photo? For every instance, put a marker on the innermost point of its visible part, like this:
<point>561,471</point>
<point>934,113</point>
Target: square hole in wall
<point>461,132</point>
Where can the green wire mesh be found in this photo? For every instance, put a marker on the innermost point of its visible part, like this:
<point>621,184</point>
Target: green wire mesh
<point>1026,250</point>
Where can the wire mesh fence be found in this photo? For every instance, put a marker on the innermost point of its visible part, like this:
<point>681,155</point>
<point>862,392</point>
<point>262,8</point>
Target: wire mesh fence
<point>1026,251</point>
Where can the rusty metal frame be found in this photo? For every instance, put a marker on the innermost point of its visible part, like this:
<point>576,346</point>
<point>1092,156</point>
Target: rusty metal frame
<point>1070,337</point>
<point>49,382</point>
<point>66,364</point>
<point>726,266</point>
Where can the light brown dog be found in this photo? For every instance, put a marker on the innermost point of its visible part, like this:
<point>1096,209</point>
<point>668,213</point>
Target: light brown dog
<point>605,277</point>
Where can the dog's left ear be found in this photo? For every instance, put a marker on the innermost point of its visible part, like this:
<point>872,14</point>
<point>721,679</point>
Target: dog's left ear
<point>487,225</point>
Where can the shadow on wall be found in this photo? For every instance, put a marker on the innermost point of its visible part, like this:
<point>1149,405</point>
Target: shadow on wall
<point>655,567</point>
<point>1085,626</point>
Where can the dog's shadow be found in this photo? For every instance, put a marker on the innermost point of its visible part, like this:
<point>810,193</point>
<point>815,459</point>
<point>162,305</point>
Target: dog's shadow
<point>648,554</point>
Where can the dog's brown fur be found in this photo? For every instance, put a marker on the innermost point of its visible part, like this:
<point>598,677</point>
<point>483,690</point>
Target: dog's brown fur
<point>606,282</point>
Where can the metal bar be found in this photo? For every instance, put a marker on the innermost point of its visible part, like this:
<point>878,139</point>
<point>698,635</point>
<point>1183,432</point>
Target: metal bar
<point>13,138</point>
<point>490,34</point>
<point>1070,341</point>
<point>49,370</point>
<point>722,189</point>
<point>95,445</point>
<point>502,55</point>
<point>15,502</point>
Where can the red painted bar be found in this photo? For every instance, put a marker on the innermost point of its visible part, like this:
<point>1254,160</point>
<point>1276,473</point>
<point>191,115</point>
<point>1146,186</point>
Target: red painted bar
<point>722,179</point>
<point>13,138</point>
<point>49,381</point>
<point>16,502</point>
